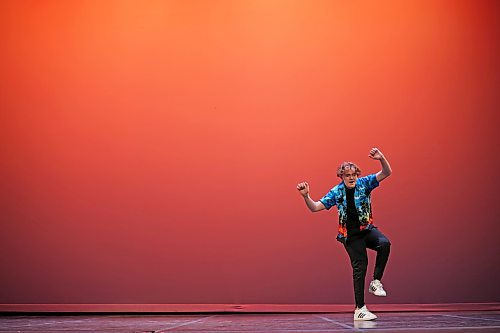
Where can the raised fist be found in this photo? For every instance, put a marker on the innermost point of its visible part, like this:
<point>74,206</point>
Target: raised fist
<point>376,154</point>
<point>303,188</point>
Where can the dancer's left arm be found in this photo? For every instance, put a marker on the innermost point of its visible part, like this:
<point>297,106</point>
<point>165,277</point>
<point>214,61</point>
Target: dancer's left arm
<point>386,168</point>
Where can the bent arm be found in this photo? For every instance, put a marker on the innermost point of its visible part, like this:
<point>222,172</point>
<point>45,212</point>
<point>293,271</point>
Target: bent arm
<point>386,169</point>
<point>314,206</point>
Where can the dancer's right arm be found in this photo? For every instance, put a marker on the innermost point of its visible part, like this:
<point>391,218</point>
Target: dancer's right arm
<point>314,206</point>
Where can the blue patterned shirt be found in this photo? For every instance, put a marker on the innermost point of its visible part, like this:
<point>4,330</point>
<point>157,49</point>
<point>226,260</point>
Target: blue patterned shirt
<point>362,200</point>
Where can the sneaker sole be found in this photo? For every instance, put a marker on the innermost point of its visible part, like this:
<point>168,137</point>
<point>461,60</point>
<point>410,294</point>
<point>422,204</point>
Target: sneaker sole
<point>373,293</point>
<point>363,319</point>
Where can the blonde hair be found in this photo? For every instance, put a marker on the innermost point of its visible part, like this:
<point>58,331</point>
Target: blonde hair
<point>347,166</point>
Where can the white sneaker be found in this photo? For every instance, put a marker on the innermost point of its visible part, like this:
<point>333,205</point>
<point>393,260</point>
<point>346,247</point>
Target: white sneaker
<point>363,325</point>
<point>376,288</point>
<point>363,314</point>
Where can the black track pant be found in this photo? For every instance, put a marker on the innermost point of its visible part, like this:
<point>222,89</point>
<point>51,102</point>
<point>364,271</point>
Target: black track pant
<point>356,248</point>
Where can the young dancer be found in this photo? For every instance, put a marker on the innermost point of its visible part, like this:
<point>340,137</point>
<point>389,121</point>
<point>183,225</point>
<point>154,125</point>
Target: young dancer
<point>356,230</point>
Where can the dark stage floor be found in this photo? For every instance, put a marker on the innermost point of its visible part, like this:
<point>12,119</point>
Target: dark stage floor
<point>484,321</point>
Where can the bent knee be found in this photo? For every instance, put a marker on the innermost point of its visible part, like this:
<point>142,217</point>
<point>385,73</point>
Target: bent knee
<point>384,245</point>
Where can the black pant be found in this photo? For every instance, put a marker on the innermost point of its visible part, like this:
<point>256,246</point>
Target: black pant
<point>356,248</point>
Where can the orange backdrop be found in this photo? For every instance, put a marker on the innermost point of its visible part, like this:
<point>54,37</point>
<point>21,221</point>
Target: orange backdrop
<point>150,149</point>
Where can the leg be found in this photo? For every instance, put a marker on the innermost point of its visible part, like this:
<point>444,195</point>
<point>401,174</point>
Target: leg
<point>375,240</point>
<point>356,249</point>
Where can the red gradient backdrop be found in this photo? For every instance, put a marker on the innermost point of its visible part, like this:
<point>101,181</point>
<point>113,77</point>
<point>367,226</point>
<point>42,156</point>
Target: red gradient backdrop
<point>150,149</point>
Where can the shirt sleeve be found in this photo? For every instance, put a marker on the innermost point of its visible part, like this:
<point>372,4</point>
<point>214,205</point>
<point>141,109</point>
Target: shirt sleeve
<point>328,199</point>
<point>370,181</point>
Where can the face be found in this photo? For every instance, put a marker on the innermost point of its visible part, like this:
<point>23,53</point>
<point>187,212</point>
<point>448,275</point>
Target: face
<point>349,177</point>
